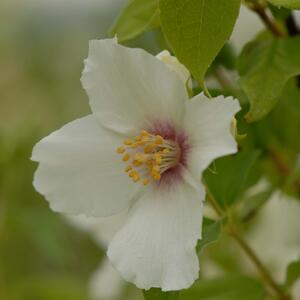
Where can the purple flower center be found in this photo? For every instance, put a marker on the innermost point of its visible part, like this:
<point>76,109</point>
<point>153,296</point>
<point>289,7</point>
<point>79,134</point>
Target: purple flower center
<point>157,154</point>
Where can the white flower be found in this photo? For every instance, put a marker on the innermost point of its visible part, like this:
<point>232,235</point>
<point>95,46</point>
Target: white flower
<point>276,219</point>
<point>141,108</point>
<point>173,63</point>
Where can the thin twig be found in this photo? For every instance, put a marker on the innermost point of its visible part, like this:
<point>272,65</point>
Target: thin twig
<point>269,22</point>
<point>259,265</point>
<point>248,250</point>
<point>281,166</point>
<point>265,16</point>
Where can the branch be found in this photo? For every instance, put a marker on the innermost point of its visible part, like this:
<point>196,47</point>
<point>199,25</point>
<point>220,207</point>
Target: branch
<point>233,232</point>
<point>282,167</point>
<point>260,9</point>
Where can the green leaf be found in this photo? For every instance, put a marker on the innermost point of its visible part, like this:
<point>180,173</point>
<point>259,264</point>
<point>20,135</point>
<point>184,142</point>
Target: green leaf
<point>158,294</point>
<point>265,67</point>
<point>226,57</point>
<point>229,287</point>
<point>292,4</point>
<point>48,288</point>
<point>252,204</point>
<point>197,30</point>
<point>293,273</point>
<point>231,176</point>
<point>137,17</point>
<point>210,233</point>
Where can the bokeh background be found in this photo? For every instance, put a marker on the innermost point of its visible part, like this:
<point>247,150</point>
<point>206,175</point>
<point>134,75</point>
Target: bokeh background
<point>43,43</point>
<point>42,47</point>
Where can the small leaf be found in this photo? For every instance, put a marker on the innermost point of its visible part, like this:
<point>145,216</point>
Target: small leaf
<point>252,204</point>
<point>229,287</point>
<point>292,4</point>
<point>197,30</point>
<point>231,176</point>
<point>137,17</point>
<point>210,233</point>
<point>293,273</point>
<point>158,294</point>
<point>265,66</point>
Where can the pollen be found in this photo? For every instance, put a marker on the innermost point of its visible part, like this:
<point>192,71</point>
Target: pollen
<point>126,157</point>
<point>120,150</point>
<point>148,156</point>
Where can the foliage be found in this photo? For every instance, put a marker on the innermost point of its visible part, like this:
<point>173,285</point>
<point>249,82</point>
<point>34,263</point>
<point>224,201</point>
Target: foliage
<point>230,287</point>
<point>292,4</point>
<point>138,16</point>
<point>293,273</point>
<point>226,182</point>
<point>187,24</point>
<point>265,66</point>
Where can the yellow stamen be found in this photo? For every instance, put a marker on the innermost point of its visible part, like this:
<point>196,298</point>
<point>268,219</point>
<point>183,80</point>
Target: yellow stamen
<point>156,176</point>
<point>146,181</point>
<point>126,157</point>
<point>150,156</point>
<point>120,150</point>
<point>128,168</point>
<point>155,169</point>
<point>128,142</point>
<point>159,140</point>
<point>136,177</point>
<point>157,158</point>
<point>132,173</point>
<point>137,163</point>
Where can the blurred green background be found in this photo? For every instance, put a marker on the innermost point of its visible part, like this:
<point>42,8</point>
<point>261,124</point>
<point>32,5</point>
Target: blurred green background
<point>42,47</point>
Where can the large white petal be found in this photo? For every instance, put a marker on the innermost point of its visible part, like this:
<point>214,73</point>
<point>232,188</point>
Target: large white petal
<point>130,87</point>
<point>156,246</point>
<point>208,125</point>
<point>173,63</point>
<point>80,172</point>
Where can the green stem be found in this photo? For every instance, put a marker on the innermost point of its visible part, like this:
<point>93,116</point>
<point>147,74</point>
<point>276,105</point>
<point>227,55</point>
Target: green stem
<point>234,233</point>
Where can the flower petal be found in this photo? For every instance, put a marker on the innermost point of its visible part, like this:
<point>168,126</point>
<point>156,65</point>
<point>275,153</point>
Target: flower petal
<point>80,171</point>
<point>132,85</point>
<point>208,125</point>
<point>173,63</point>
<point>156,246</point>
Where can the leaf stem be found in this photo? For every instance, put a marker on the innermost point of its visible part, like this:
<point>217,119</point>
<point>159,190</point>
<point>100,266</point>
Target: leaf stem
<point>234,233</point>
<point>260,9</point>
<point>211,199</point>
<point>282,167</point>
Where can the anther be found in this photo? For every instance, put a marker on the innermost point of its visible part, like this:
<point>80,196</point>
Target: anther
<point>128,142</point>
<point>146,181</point>
<point>126,157</point>
<point>128,168</point>
<point>150,156</point>
<point>120,150</point>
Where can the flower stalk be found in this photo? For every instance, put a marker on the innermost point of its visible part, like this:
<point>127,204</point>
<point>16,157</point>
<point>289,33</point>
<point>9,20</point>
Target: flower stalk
<point>235,234</point>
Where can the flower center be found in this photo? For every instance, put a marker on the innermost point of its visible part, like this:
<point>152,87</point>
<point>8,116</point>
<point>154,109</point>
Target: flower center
<point>149,156</point>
